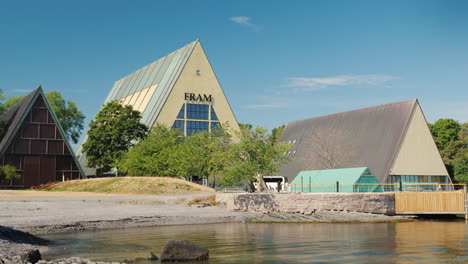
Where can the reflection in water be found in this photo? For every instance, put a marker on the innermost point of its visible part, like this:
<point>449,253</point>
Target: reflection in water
<point>279,243</point>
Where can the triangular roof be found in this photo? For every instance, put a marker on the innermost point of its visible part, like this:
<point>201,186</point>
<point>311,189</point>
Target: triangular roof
<point>15,116</point>
<point>156,80</point>
<point>344,175</point>
<point>164,73</point>
<point>152,87</point>
<point>367,137</point>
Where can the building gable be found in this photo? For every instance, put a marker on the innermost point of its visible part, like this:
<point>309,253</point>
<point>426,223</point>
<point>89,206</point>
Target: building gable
<point>197,85</point>
<point>418,153</point>
<point>36,145</point>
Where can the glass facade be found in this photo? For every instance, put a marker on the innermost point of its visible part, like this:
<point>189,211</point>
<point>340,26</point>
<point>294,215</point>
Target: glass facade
<point>416,179</point>
<point>194,118</point>
<point>181,112</point>
<point>196,127</point>
<point>213,114</point>
<point>197,111</point>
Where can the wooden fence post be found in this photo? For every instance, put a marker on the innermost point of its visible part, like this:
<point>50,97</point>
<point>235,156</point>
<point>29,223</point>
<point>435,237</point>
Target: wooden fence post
<point>465,201</point>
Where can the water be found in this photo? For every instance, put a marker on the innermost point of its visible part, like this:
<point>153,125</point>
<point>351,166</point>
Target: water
<point>415,242</point>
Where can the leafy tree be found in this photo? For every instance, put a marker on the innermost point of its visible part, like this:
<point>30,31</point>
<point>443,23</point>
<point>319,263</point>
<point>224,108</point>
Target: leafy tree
<point>460,169</point>
<point>115,129</point>
<point>70,117</point>
<point>463,134</point>
<point>454,150</point>
<point>152,155</point>
<point>253,156</point>
<point>444,131</point>
<point>166,152</point>
<point>276,134</point>
<point>12,100</point>
<point>8,172</point>
<point>2,111</point>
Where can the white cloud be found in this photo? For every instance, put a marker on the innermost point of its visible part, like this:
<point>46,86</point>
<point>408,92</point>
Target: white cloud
<point>245,21</point>
<point>316,83</point>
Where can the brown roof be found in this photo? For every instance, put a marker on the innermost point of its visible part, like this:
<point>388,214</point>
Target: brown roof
<point>368,137</point>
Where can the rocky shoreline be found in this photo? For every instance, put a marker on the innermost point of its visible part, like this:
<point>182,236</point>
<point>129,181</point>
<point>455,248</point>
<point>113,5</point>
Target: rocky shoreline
<point>43,212</point>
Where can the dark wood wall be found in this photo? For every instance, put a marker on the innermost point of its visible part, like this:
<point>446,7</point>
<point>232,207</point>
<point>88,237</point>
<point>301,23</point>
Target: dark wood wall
<point>38,150</point>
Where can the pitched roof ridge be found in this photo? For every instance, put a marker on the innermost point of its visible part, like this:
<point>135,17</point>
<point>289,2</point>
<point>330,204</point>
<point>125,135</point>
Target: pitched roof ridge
<point>13,121</point>
<point>415,100</point>
<point>161,58</point>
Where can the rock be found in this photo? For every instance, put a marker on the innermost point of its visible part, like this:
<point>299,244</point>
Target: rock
<point>16,236</point>
<point>153,256</point>
<point>32,256</point>
<point>183,250</point>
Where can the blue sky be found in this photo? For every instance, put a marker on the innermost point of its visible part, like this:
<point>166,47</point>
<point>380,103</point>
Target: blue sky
<point>277,61</point>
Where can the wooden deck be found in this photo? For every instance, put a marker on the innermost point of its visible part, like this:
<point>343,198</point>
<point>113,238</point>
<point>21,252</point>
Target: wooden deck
<point>430,202</point>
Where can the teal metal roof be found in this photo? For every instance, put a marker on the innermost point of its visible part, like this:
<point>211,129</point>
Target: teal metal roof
<point>346,175</point>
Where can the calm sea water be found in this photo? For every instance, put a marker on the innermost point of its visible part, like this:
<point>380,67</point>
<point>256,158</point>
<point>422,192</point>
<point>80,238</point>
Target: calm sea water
<point>416,242</point>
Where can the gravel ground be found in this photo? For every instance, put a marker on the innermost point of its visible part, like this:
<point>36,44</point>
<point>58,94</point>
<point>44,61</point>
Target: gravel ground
<point>42,212</point>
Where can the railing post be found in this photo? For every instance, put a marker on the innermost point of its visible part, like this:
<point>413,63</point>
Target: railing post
<point>400,186</point>
<point>464,201</point>
<point>302,183</point>
<point>337,186</point>
<point>310,183</point>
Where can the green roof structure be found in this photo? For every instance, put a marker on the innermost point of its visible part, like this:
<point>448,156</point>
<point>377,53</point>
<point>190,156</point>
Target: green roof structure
<point>358,179</point>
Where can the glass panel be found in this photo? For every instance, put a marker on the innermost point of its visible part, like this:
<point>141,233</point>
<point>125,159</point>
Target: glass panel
<point>213,114</point>
<point>179,125</point>
<point>196,126</point>
<point>181,112</point>
<point>197,111</point>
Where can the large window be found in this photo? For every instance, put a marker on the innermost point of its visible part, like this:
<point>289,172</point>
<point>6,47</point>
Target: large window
<point>194,118</point>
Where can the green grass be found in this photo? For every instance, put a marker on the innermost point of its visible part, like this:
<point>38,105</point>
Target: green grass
<point>127,185</point>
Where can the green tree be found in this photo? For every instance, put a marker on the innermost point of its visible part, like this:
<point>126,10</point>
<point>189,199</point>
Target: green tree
<point>276,134</point>
<point>460,168</point>
<point>2,111</point>
<point>166,152</point>
<point>444,131</point>
<point>253,156</point>
<point>152,155</point>
<point>69,116</point>
<point>463,134</point>
<point>8,172</point>
<point>115,129</point>
<point>12,100</point>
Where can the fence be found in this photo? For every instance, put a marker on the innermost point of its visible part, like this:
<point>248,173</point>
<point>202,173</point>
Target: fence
<point>374,187</point>
<point>430,203</point>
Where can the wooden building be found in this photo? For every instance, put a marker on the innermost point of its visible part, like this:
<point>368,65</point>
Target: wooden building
<point>35,143</point>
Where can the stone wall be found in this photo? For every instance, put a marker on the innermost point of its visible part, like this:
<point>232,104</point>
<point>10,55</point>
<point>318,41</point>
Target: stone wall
<point>377,203</point>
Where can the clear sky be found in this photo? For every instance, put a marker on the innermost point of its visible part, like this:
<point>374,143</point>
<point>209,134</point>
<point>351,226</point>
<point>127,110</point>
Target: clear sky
<point>277,61</point>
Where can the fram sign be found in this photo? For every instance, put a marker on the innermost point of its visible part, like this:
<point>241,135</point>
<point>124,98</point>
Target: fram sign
<point>198,97</point>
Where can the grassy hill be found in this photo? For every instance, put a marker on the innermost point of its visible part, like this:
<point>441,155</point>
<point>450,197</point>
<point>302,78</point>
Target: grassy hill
<point>127,185</point>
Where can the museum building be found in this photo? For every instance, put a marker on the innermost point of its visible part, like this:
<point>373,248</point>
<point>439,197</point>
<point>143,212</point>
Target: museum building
<point>392,140</point>
<point>179,90</point>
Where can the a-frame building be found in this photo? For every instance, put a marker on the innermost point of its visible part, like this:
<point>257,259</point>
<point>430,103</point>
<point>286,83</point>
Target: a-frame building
<point>179,90</point>
<point>393,140</point>
<point>35,143</point>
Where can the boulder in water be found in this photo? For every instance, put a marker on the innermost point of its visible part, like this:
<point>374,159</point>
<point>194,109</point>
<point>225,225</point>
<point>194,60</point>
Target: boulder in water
<point>31,256</point>
<point>183,250</point>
